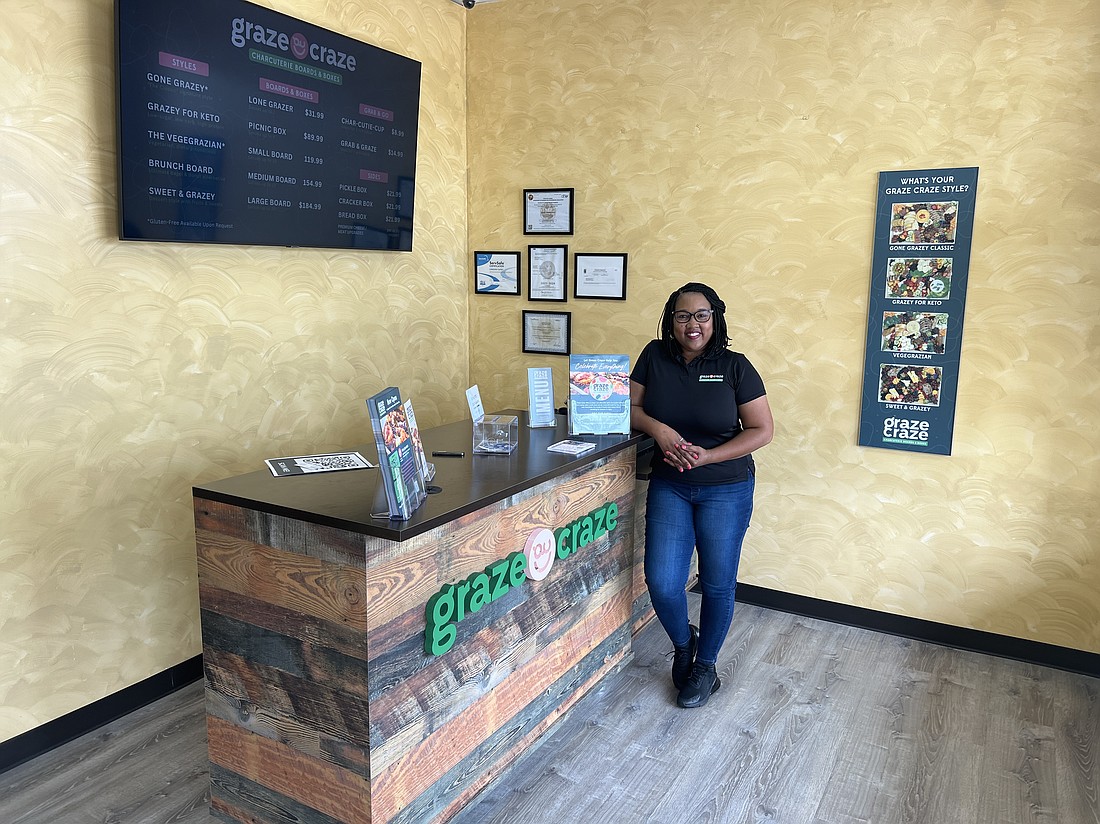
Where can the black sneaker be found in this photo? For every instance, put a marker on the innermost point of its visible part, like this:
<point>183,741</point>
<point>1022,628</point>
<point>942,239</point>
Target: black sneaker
<point>701,685</point>
<point>684,657</point>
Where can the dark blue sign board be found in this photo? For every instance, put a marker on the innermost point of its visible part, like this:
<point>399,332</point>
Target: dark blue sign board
<point>924,225</point>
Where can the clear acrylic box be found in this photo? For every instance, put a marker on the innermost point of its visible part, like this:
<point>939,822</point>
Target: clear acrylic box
<point>496,434</point>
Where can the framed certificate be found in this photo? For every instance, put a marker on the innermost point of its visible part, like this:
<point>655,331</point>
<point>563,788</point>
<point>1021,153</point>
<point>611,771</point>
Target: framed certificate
<point>496,273</point>
<point>601,276</point>
<point>548,211</point>
<point>546,333</point>
<point>546,272</point>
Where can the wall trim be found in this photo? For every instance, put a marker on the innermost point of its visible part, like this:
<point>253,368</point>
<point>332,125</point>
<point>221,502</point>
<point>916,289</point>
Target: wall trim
<point>41,739</point>
<point>971,640</point>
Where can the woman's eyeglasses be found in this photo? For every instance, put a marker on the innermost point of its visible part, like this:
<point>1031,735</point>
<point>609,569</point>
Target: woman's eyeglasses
<point>703,315</point>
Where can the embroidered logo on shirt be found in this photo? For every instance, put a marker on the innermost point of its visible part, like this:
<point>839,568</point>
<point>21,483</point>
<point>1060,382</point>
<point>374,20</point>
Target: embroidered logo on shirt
<point>711,378</point>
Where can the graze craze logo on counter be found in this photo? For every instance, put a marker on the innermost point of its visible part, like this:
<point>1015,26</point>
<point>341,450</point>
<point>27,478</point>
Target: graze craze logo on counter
<point>455,601</point>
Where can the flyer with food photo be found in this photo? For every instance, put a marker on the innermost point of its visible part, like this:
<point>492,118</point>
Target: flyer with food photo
<point>401,479</point>
<point>599,394</point>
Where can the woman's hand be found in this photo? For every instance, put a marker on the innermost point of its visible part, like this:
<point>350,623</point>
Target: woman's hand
<point>757,428</point>
<point>675,449</point>
<point>690,456</point>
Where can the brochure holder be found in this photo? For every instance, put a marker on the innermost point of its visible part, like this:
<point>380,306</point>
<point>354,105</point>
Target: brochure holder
<point>540,397</point>
<point>400,475</point>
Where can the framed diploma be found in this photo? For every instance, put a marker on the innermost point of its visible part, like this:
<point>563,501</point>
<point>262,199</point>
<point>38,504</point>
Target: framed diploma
<point>546,272</point>
<point>548,211</point>
<point>601,276</point>
<point>496,273</point>
<point>546,333</point>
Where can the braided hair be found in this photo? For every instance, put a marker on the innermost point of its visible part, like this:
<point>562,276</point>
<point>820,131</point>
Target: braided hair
<point>718,341</point>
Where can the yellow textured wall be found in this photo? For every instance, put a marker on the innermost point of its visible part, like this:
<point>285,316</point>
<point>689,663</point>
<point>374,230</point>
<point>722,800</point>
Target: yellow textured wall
<point>736,143</point>
<point>130,371</point>
<point>739,143</point>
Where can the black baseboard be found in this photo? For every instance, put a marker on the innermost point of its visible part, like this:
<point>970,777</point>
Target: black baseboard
<point>61,730</point>
<point>971,640</point>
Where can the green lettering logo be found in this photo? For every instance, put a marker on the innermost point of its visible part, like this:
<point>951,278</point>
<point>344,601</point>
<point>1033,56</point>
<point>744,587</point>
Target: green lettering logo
<point>454,602</point>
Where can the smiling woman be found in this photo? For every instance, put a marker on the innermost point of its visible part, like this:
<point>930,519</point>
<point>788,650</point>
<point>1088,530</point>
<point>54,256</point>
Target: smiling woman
<point>693,324</point>
<point>706,409</point>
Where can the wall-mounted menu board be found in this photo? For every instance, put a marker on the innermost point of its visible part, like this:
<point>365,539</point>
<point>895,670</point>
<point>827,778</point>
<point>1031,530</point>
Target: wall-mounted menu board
<point>237,124</point>
<point>924,226</point>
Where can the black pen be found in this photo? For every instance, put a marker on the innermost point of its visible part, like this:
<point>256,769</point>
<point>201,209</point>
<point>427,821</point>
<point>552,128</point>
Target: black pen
<point>436,454</point>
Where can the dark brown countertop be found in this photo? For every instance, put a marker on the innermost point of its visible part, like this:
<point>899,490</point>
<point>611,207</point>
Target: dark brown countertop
<point>345,500</point>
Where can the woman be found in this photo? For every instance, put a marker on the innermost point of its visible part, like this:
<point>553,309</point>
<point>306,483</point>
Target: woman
<point>706,409</point>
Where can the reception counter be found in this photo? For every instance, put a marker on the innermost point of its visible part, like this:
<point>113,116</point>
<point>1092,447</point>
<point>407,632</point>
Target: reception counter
<point>366,670</point>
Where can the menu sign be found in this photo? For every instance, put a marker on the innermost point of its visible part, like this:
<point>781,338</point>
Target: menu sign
<point>242,125</point>
<point>923,231</point>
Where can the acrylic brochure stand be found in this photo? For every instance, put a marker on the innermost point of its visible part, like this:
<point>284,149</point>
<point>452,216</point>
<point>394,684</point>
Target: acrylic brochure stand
<point>599,394</point>
<point>540,397</point>
<point>492,434</point>
<point>402,477</point>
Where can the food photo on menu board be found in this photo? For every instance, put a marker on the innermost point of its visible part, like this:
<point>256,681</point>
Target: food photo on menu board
<point>914,332</point>
<point>924,222</point>
<point>917,278</point>
<point>910,384</point>
<point>238,124</point>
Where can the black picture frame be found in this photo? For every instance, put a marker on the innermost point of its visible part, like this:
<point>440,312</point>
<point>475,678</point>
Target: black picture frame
<point>599,275</point>
<point>491,270</point>
<point>548,211</point>
<point>542,285</point>
<point>555,338</point>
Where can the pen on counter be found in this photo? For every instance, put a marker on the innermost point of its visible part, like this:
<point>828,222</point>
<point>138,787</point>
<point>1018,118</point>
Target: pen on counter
<point>445,454</point>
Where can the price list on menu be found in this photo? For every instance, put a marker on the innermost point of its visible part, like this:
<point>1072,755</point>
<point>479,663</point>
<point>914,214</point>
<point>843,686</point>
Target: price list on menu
<point>923,232</point>
<point>241,125</point>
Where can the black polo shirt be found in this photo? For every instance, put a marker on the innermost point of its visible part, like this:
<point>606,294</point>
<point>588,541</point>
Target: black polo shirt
<point>699,400</point>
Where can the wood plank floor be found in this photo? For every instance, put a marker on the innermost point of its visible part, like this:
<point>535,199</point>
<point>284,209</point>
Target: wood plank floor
<point>817,723</point>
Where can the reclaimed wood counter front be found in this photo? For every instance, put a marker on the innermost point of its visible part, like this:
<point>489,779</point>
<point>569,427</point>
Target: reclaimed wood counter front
<point>323,701</point>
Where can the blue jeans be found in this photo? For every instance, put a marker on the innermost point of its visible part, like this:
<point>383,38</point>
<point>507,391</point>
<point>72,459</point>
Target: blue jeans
<point>681,518</point>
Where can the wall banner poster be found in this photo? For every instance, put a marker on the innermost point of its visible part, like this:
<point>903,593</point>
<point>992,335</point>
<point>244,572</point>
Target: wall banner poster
<point>924,225</point>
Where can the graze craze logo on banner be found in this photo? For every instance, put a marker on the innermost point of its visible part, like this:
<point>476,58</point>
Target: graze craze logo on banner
<point>904,430</point>
<point>455,601</point>
<point>923,231</point>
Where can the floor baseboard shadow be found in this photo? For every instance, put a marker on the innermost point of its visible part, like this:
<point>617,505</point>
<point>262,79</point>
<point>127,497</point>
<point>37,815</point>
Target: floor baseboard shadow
<point>39,740</point>
<point>971,640</point>
<point>46,737</point>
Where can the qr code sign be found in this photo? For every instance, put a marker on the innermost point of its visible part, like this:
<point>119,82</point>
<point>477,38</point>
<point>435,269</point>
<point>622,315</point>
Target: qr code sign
<point>321,463</point>
<point>306,464</point>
